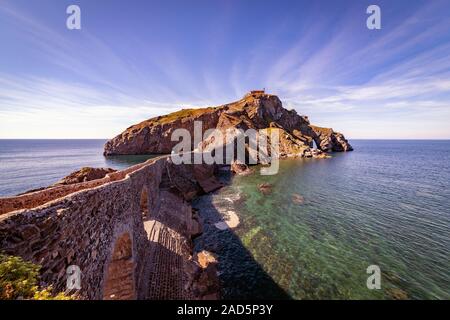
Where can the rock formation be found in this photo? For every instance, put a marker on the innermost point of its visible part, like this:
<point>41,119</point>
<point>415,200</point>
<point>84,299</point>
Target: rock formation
<point>265,188</point>
<point>257,110</point>
<point>298,198</point>
<point>240,168</point>
<point>330,140</point>
<point>85,174</point>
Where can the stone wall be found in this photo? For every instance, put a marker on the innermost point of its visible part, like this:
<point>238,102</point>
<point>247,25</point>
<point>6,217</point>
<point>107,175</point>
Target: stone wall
<point>35,199</point>
<point>102,227</point>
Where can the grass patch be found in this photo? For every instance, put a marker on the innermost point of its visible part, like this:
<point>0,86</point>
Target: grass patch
<point>19,280</point>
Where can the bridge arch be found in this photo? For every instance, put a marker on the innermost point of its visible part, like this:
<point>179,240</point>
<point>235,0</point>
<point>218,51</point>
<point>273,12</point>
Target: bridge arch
<point>119,280</point>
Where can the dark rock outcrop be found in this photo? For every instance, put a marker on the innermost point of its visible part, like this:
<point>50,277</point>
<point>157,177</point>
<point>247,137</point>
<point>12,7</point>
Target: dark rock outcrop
<point>257,110</point>
<point>265,188</point>
<point>298,198</point>
<point>203,272</point>
<point>85,174</point>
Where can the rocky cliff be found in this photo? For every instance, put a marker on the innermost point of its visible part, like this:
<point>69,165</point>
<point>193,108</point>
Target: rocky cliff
<point>257,110</point>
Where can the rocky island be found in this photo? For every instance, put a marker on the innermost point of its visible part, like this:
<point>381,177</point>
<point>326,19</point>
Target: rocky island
<point>256,110</point>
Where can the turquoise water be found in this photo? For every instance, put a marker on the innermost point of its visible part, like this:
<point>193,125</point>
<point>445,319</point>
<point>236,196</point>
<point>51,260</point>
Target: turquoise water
<point>31,164</point>
<point>386,204</point>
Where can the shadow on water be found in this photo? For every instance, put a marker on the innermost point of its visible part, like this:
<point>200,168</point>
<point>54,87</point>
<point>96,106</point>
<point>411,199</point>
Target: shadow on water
<point>241,276</point>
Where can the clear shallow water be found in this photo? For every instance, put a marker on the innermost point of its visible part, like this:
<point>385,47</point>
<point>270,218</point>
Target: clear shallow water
<point>31,164</point>
<point>387,203</point>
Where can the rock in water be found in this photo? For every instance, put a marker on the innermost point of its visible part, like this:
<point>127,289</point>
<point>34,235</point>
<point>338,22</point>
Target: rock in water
<point>230,221</point>
<point>265,188</point>
<point>202,271</point>
<point>397,294</point>
<point>240,168</point>
<point>204,258</point>
<point>297,199</point>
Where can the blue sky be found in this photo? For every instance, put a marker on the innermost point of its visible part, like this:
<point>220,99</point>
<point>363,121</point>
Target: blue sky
<point>133,60</point>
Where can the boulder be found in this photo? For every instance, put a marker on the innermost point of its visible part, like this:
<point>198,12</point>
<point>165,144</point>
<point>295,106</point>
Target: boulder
<point>265,188</point>
<point>397,294</point>
<point>204,258</point>
<point>240,168</point>
<point>319,154</point>
<point>297,198</point>
<point>202,270</point>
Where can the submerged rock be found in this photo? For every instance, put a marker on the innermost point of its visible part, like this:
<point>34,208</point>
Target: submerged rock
<point>297,198</point>
<point>230,221</point>
<point>319,154</point>
<point>397,294</point>
<point>265,188</point>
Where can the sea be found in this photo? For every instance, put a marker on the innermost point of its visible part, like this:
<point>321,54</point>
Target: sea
<point>320,232</point>
<point>31,164</point>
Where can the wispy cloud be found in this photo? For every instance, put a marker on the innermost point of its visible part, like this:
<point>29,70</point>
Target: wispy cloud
<point>43,108</point>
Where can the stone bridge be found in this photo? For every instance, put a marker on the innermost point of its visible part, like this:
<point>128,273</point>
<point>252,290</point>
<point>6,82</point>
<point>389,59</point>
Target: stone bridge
<point>129,233</point>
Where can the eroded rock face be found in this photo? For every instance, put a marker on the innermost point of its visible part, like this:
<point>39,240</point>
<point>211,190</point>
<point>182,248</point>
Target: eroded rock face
<point>298,198</point>
<point>255,110</point>
<point>328,140</point>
